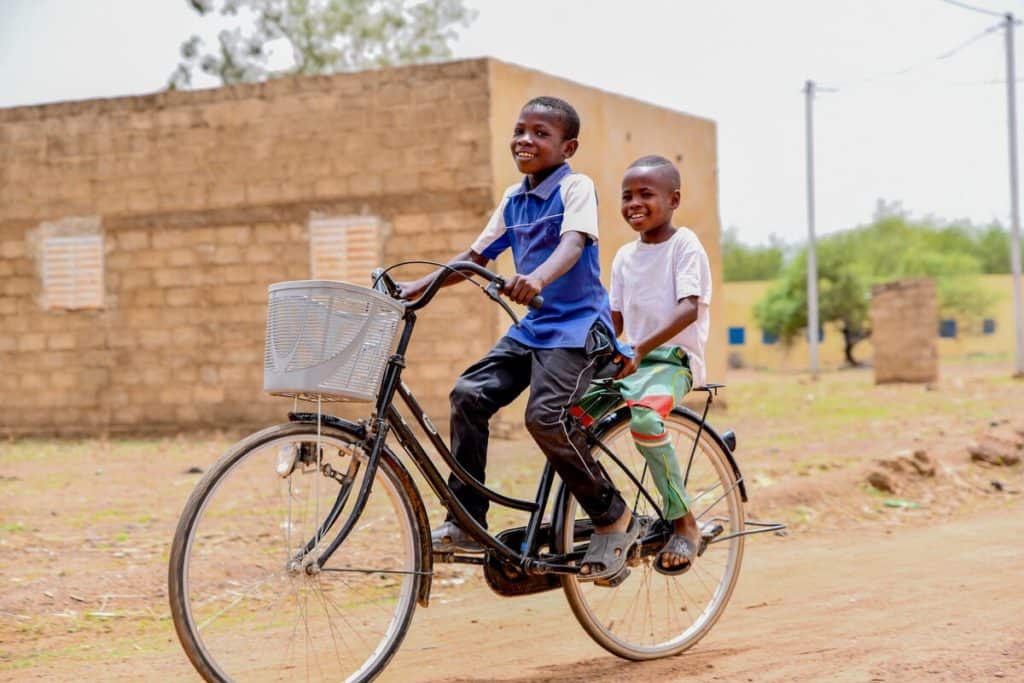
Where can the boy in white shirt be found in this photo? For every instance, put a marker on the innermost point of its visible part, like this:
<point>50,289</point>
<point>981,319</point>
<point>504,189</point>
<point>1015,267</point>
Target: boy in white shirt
<point>660,297</point>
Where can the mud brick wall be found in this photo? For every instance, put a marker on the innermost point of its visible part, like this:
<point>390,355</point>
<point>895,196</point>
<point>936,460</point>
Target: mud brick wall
<point>904,314</point>
<point>202,199</point>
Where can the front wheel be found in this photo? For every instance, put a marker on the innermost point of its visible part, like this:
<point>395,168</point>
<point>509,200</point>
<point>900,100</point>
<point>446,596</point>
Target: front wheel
<point>651,615</point>
<point>247,597</point>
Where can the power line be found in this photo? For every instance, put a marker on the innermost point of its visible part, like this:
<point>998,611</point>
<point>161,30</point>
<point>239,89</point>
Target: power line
<point>970,41</point>
<point>981,10</point>
<point>947,54</point>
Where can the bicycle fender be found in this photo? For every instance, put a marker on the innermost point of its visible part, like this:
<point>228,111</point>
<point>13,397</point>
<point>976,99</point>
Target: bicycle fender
<point>422,521</point>
<point>354,428</point>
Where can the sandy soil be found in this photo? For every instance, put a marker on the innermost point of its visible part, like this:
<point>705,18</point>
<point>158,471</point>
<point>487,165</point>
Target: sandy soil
<point>922,583</point>
<point>870,606</point>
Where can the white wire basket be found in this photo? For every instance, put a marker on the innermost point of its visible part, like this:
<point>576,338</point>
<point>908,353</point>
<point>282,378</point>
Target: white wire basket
<point>328,340</point>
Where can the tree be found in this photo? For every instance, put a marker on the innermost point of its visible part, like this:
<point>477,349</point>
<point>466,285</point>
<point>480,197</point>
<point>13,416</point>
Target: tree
<point>742,262</point>
<point>994,249</point>
<point>850,262</point>
<point>325,36</point>
<point>842,298</point>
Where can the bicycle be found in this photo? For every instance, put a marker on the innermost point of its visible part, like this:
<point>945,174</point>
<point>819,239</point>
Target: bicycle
<point>308,544</point>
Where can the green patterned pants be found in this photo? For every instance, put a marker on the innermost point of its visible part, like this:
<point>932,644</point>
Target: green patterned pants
<point>660,383</point>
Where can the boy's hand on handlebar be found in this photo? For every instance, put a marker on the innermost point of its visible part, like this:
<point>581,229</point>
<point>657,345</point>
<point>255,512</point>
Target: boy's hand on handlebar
<point>410,290</point>
<point>522,288</point>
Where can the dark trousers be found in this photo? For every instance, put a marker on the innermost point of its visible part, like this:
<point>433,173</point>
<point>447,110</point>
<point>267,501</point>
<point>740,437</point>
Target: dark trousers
<point>557,379</point>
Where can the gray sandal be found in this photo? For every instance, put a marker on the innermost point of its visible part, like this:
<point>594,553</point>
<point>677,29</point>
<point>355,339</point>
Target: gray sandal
<point>609,552</point>
<point>679,545</point>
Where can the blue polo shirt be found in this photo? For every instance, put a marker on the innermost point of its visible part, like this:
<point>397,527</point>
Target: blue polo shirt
<point>531,222</point>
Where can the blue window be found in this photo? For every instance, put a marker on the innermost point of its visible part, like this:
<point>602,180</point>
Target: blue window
<point>988,326</point>
<point>947,329</point>
<point>767,338</point>
<point>737,336</point>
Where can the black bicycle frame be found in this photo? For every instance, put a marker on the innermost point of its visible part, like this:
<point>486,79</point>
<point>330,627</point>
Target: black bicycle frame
<point>386,418</point>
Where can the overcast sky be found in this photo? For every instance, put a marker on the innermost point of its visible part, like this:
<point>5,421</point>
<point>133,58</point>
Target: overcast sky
<point>933,138</point>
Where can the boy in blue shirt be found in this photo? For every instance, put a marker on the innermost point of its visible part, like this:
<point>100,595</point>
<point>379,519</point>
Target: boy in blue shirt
<point>549,220</point>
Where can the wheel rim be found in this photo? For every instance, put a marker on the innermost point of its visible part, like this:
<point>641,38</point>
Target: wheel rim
<point>255,612</point>
<point>652,615</point>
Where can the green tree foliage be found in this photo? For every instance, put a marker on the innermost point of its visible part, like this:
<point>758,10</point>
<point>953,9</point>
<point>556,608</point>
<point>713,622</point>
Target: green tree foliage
<point>993,249</point>
<point>742,262</point>
<point>325,36</point>
<point>889,248</point>
<point>842,298</point>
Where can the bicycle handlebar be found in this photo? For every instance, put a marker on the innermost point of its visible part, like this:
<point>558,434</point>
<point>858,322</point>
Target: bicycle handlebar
<point>383,282</point>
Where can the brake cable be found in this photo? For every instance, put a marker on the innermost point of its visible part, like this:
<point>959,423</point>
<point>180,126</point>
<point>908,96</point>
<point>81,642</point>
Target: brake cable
<point>492,290</point>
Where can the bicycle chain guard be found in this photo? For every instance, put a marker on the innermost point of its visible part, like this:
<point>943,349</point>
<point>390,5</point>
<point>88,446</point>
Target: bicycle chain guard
<point>510,580</point>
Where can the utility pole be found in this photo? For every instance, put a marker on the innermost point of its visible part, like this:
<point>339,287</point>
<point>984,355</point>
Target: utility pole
<point>1011,106</point>
<point>812,259</point>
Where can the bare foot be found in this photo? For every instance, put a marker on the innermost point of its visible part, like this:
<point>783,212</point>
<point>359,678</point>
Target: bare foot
<point>684,526</point>
<point>618,526</point>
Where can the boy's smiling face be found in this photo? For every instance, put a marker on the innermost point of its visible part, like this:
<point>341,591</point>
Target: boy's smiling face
<point>538,142</point>
<point>649,198</point>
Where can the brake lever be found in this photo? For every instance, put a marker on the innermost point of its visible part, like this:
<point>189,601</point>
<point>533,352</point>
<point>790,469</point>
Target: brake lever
<point>493,291</point>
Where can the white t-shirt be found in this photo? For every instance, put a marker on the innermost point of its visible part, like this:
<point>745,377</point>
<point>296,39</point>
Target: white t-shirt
<point>648,280</point>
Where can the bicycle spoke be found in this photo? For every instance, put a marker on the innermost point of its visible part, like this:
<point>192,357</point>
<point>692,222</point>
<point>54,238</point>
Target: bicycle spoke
<point>333,629</point>
<point>355,629</point>
<point>295,629</point>
<point>360,570</point>
<point>649,613</point>
<point>231,605</point>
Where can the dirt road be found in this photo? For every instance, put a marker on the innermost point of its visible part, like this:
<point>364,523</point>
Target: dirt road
<point>925,582</point>
<point>935,603</point>
<point>929,603</point>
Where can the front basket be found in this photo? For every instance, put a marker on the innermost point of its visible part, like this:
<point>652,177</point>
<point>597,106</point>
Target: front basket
<point>328,340</point>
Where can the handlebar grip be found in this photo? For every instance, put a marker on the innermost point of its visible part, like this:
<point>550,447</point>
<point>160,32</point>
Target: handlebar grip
<point>536,302</point>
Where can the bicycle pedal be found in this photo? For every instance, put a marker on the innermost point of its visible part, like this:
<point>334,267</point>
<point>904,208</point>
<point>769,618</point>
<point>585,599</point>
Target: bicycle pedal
<point>613,581</point>
<point>711,530</point>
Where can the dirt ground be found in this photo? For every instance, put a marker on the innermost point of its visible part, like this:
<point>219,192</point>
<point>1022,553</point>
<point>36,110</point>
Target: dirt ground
<point>922,582</point>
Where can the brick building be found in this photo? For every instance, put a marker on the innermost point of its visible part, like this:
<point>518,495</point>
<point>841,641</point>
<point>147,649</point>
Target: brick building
<point>138,234</point>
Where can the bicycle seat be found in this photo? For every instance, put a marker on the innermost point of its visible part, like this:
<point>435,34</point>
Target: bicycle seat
<point>608,367</point>
<point>601,348</point>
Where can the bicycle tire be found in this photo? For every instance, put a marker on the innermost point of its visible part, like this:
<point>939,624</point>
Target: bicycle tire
<point>244,643</point>
<point>609,615</point>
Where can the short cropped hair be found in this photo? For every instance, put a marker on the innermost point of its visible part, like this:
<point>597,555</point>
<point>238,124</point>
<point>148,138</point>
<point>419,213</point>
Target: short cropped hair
<point>663,165</point>
<point>568,116</point>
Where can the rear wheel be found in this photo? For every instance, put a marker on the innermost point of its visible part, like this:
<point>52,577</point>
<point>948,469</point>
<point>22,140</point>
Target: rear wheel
<point>247,599</point>
<point>651,615</point>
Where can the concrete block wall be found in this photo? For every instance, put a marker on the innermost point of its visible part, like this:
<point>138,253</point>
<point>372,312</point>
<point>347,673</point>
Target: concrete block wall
<point>903,319</point>
<point>203,198</point>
